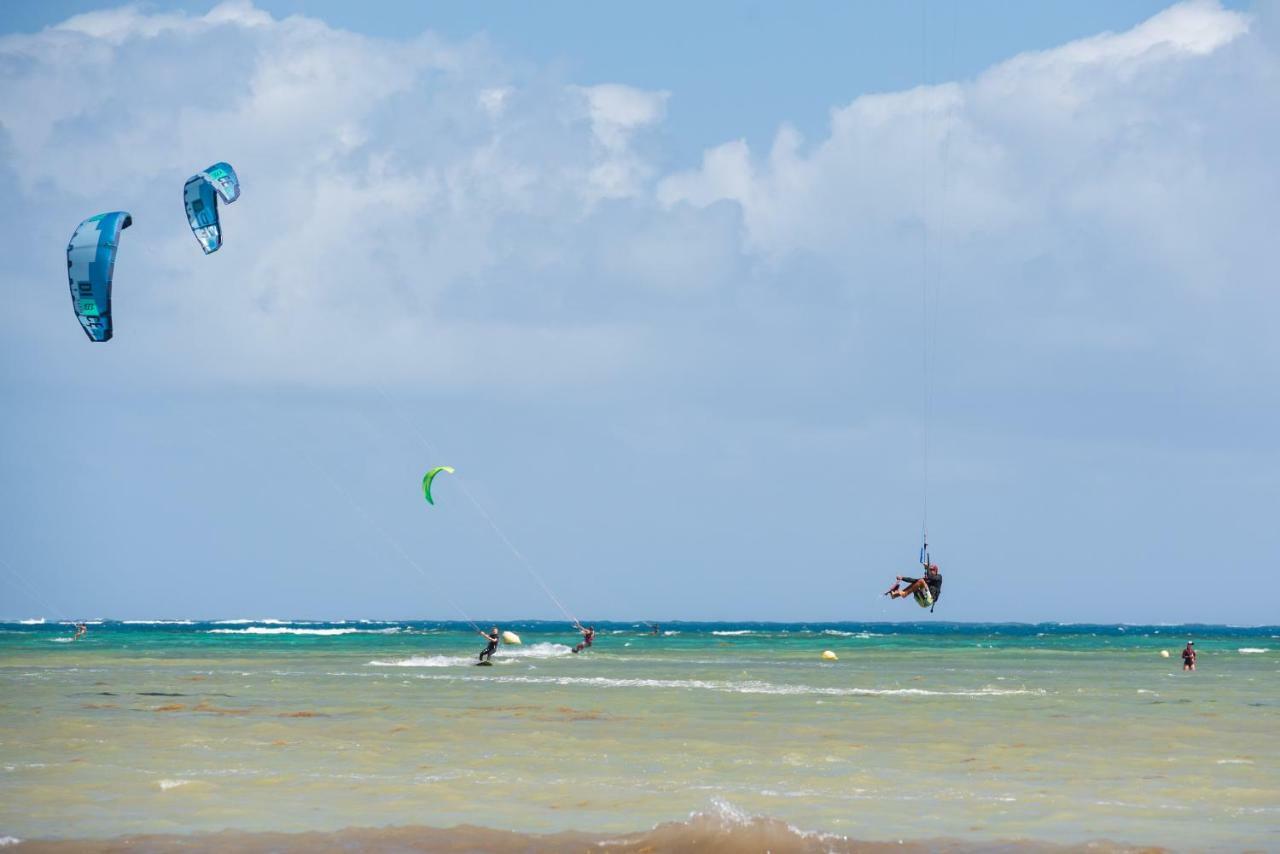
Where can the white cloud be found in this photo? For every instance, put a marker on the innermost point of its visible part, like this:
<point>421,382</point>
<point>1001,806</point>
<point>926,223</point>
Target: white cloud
<point>385,183</point>
<point>422,210</point>
<point>617,114</point>
<point>1100,221</point>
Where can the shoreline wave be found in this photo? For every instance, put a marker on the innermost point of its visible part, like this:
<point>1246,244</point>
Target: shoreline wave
<point>722,828</point>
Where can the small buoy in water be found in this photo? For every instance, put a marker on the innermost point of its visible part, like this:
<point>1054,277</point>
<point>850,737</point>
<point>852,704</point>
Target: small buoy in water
<point>511,638</point>
<point>828,655</point>
<point>1164,653</point>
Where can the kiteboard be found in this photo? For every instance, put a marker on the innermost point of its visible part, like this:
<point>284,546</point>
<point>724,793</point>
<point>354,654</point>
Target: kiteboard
<point>484,664</point>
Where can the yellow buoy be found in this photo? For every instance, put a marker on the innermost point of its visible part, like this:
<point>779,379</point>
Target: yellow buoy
<point>828,655</point>
<point>511,638</point>
<point>1164,653</point>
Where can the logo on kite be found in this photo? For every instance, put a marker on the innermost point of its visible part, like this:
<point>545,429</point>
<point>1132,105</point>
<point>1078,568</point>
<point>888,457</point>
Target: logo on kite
<point>91,263</point>
<point>430,476</point>
<point>201,198</point>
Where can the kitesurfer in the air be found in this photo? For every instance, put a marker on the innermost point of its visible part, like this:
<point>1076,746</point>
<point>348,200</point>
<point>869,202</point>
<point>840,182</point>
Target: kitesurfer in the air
<point>492,638</point>
<point>588,635</point>
<point>925,590</point>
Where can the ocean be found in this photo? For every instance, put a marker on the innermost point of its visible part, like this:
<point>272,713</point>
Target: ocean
<point>734,736</point>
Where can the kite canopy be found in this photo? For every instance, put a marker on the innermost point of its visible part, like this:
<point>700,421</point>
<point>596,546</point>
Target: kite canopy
<point>430,476</point>
<point>91,262</point>
<point>201,198</point>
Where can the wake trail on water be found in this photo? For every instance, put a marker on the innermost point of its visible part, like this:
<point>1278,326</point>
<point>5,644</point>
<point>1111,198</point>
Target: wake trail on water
<point>741,687</point>
<point>506,656</point>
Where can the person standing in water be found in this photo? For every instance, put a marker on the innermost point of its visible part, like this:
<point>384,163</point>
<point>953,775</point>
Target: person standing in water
<point>488,651</point>
<point>1189,656</point>
<point>588,635</point>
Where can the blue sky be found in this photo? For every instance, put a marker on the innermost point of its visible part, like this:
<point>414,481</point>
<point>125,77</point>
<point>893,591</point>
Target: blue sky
<point>652,283</point>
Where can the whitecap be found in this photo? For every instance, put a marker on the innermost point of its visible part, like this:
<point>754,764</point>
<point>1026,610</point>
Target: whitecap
<point>752,687</point>
<point>735,632</point>
<point>268,621</point>
<point>428,661</point>
<point>1252,650</point>
<point>281,630</point>
<point>166,785</point>
<point>36,621</point>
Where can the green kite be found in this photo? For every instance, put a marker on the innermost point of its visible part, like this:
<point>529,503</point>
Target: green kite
<point>430,476</point>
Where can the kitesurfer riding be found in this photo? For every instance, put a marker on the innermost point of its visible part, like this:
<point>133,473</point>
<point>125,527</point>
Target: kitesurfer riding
<point>81,631</point>
<point>925,590</point>
<point>588,635</point>
<point>489,650</point>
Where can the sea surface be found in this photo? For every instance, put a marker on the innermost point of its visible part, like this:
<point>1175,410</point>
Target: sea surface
<point>1043,734</point>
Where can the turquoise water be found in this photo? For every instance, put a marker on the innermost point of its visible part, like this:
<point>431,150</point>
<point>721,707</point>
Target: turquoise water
<point>977,732</point>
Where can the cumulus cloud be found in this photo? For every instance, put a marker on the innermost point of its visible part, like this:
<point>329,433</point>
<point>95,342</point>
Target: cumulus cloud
<point>1091,228</point>
<point>425,211</point>
<point>1095,199</point>
<point>409,205</point>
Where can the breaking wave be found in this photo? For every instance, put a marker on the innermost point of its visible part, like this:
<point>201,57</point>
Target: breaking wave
<point>289,630</point>
<point>754,687</point>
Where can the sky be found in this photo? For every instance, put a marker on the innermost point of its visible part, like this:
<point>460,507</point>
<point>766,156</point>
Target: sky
<point>713,309</point>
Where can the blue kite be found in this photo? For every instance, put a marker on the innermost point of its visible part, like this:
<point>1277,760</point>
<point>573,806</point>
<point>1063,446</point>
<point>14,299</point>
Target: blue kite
<point>91,263</point>
<point>200,195</point>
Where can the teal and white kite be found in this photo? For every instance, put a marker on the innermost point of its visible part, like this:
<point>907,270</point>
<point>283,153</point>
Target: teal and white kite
<point>91,264</point>
<point>201,198</point>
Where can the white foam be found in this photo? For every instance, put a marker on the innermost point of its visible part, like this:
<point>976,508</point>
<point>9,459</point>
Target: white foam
<point>62,640</point>
<point>428,661</point>
<point>1252,650</point>
<point>267,621</point>
<point>752,687</point>
<point>537,650</point>
<point>505,656</point>
<point>158,622</point>
<point>735,632</point>
<point>166,785</point>
<point>671,632</point>
<point>9,840</point>
<point>281,630</point>
<point>1235,761</point>
<point>37,621</point>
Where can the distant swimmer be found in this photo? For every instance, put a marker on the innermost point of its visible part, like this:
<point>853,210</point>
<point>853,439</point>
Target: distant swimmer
<point>492,637</point>
<point>588,635</point>
<point>1189,656</point>
<point>81,631</point>
<point>926,590</point>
